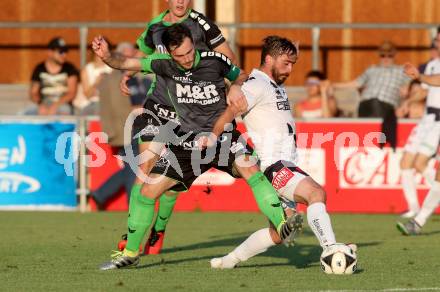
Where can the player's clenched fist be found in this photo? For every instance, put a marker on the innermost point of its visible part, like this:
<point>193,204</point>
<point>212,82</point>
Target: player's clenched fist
<point>101,47</point>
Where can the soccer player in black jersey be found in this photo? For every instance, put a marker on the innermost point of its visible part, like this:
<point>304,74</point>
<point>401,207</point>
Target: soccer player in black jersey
<point>158,109</point>
<point>196,88</point>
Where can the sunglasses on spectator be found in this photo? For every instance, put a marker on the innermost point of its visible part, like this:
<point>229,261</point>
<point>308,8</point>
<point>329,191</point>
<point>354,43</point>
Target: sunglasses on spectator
<point>61,52</point>
<point>312,82</point>
<point>386,55</point>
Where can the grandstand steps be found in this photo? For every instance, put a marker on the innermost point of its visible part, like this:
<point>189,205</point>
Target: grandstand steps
<point>13,98</point>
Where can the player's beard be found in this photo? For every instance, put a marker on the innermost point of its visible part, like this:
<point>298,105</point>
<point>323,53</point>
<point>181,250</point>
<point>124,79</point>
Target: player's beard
<point>279,78</point>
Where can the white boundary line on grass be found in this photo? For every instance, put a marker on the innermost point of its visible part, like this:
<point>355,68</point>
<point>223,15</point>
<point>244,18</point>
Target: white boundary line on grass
<point>413,289</point>
<point>388,290</point>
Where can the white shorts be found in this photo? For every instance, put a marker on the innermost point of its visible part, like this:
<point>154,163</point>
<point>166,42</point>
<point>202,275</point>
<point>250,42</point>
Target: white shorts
<point>285,177</point>
<point>424,137</point>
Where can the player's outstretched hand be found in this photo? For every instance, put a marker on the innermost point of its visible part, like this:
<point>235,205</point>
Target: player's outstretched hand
<point>411,71</point>
<point>237,99</point>
<point>100,47</point>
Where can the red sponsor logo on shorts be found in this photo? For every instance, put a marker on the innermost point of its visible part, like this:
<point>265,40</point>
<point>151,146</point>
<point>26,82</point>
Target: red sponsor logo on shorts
<point>281,178</point>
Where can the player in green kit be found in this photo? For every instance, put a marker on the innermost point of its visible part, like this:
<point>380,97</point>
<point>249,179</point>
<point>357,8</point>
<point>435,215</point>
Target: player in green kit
<point>157,108</point>
<point>196,88</point>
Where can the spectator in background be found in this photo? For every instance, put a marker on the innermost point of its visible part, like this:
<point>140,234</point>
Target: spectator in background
<point>54,82</point>
<point>91,76</point>
<point>411,107</point>
<point>114,109</point>
<point>381,85</point>
<point>138,86</point>
<point>319,103</point>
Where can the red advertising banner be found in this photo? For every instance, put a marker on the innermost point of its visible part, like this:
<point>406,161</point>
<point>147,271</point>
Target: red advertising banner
<point>342,155</point>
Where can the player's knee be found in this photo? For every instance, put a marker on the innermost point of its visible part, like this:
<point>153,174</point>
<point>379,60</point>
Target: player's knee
<point>248,171</point>
<point>419,166</point>
<point>317,195</point>
<point>147,192</point>
<point>406,162</point>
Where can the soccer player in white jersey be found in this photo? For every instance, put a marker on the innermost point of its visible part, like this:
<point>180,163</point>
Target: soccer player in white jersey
<point>271,126</point>
<point>423,141</point>
<point>432,200</point>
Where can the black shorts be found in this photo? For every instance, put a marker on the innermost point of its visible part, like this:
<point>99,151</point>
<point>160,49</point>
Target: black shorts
<point>184,162</point>
<point>154,121</point>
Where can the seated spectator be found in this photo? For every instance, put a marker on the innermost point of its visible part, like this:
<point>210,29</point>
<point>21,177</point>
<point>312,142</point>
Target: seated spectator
<point>54,82</point>
<point>411,108</point>
<point>381,84</point>
<point>139,86</point>
<point>91,76</point>
<point>319,103</point>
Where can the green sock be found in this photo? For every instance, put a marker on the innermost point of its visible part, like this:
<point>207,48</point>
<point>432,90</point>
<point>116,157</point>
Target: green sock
<point>267,198</point>
<point>166,206</point>
<point>140,217</point>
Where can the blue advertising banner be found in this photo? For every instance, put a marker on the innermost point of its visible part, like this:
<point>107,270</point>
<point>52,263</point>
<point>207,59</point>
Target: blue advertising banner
<point>30,176</point>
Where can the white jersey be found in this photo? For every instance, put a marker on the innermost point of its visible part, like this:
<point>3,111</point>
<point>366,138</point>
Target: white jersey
<point>269,120</point>
<point>433,98</point>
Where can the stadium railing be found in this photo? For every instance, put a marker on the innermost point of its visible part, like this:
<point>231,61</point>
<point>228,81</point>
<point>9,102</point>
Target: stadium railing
<point>231,28</point>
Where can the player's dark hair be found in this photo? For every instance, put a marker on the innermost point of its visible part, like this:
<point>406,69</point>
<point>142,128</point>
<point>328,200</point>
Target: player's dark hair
<point>174,35</point>
<point>275,46</point>
<point>316,74</point>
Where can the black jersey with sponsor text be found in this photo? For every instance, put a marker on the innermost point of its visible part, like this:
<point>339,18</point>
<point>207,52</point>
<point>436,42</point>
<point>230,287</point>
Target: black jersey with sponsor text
<point>198,95</point>
<point>206,36</point>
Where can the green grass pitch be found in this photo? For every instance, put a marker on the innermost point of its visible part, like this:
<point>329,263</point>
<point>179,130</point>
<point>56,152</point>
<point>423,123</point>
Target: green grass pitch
<point>43,251</point>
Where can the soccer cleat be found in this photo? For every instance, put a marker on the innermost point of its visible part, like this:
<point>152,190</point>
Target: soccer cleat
<point>409,228</point>
<point>119,261</point>
<point>409,214</point>
<point>290,229</point>
<point>154,242</point>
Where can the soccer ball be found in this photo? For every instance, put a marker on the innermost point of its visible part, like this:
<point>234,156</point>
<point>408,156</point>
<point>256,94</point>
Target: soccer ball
<point>339,259</point>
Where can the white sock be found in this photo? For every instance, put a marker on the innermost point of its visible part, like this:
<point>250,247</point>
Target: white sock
<point>256,243</point>
<point>409,189</point>
<point>319,222</point>
<point>430,203</point>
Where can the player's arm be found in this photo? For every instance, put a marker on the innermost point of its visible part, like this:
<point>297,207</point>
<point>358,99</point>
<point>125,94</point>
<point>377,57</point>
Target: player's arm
<point>35,92</point>
<point>215,39</point>
<point>35,86</point>
<point>114,59</point>
<point>235,97</point>
<point>127,75</point>
<point>226,50</point>
<point>146,48</point>
<point>328,102</point>
<point>413,72</point>
<point>226,118</point>
<point>252,95</point>
<point>357,83</point>
<point>350,84</point>
<point>237,100</point>
<point>433,80</point>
